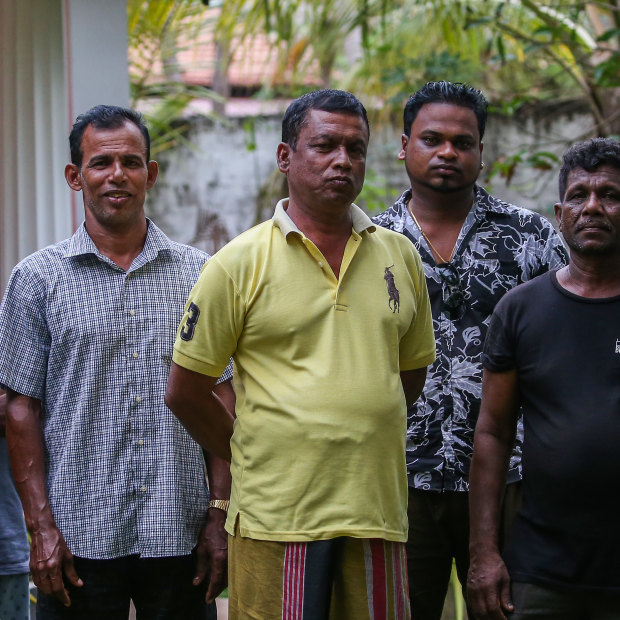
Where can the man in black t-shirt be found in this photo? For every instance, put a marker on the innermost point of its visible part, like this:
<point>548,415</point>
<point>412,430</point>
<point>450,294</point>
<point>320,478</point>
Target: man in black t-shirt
<point>553,349</point>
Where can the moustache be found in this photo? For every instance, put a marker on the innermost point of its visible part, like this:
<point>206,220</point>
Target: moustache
<point>603,224</point>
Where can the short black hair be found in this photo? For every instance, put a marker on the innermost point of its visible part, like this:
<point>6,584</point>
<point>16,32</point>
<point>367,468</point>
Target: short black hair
<point>104,117</point>
<point>455,93</point>
<point>328,100</point>
<point>588,155</point>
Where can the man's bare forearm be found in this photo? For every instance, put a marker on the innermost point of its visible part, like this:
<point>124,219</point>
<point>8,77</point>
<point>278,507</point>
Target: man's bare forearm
<point>413,384</point>
<point>218,469</point>
<point>190,397</point>
<point>487,481</point>
<point>27,455</point>
<point>488,582</point>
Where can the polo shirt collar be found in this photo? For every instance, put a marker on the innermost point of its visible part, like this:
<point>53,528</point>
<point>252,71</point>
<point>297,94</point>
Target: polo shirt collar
<point>156,241</point>
<point>281,219</point>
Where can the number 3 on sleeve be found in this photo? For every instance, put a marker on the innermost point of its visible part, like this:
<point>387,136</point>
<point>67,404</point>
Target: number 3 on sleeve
<point>187,330</point>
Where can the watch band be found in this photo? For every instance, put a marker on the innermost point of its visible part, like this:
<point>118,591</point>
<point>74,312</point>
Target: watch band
<point>222,504</point>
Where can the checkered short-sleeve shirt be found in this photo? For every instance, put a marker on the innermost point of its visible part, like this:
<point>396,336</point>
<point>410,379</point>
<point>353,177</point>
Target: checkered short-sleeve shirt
<point>94,343</point>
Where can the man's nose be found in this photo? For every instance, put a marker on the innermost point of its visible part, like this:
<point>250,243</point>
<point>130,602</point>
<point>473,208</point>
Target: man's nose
<point>447,150</point>
<point>118,172</point>
<point>342,158</point>
<point>592,203</point>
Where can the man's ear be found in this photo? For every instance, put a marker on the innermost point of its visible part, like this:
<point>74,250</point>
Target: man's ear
<point>557,207</point>
<point>73,177</point>
<point>283,155</point>
<point>404,141</point>
<point>152,169</point>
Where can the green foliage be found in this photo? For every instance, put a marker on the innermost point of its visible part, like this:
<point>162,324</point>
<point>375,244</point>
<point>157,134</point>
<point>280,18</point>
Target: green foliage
<point>249,133</point>
<point>513,50</point>
<point>155,29</point>
<point>309,37</point>
<point>376,194</point>
<point>418,42</point>
<point>506,166</point>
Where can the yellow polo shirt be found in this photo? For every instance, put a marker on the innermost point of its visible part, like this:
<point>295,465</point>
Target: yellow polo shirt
<point>318,448</point>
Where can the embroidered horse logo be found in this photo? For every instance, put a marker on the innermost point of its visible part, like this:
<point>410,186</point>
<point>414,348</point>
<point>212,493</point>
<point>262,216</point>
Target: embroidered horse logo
<point>394,300</point>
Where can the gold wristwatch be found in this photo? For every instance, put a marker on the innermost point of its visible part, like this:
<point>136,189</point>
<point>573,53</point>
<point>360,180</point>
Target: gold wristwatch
<point>222,504</point>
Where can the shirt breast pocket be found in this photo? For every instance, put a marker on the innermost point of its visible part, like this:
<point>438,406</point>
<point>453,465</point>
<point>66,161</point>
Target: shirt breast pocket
<point>160,333</point>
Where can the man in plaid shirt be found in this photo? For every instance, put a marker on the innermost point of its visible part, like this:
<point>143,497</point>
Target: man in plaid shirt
<point>112,486</point>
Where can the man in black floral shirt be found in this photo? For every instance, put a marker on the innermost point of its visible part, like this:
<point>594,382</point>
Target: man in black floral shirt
<point>474,248</point>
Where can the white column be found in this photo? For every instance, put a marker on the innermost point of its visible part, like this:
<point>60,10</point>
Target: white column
<point>57,59</point>
<point>34,199</point>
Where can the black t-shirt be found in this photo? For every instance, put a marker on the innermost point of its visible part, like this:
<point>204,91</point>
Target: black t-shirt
<point>566,351</point>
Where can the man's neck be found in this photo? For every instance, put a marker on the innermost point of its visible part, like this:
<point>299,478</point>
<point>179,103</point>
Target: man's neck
<point>121,246</point>
<point>440,218</point>
<point>594,278</point>
<point>329,230</point>
<point>431,206</point>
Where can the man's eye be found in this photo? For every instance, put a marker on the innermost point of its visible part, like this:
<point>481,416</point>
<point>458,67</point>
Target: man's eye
<point>429,140</point>
<point>464,145</point>
<point>611,195</point>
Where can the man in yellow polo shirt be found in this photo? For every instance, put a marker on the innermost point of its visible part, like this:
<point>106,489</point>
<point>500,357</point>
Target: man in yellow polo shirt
<point>327,318</point>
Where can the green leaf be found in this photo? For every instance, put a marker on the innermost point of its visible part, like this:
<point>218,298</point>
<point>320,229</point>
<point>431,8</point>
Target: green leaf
<point>609,34</point>
<point>500,48</point>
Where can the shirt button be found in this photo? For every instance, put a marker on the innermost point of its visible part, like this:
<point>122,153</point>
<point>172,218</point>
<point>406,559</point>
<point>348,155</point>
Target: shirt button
<point>143,489</point>
<point>320,264</point>
<point>132,312</point>
<point>135,354</point>
<point>141,442</point>
<point>138,399</point>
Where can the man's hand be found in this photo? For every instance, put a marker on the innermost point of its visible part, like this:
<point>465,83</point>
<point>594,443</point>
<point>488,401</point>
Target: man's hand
<point>488,587</point>
<point>50,558</point>
<point>212,554</point>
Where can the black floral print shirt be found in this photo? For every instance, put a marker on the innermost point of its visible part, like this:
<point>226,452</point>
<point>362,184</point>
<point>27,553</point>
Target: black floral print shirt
<point>499,247</point>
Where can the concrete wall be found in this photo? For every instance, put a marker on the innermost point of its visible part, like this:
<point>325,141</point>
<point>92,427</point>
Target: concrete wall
<point>208,194</point>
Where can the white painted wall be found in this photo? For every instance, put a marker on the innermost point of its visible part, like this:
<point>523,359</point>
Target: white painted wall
<point>206,195</point>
